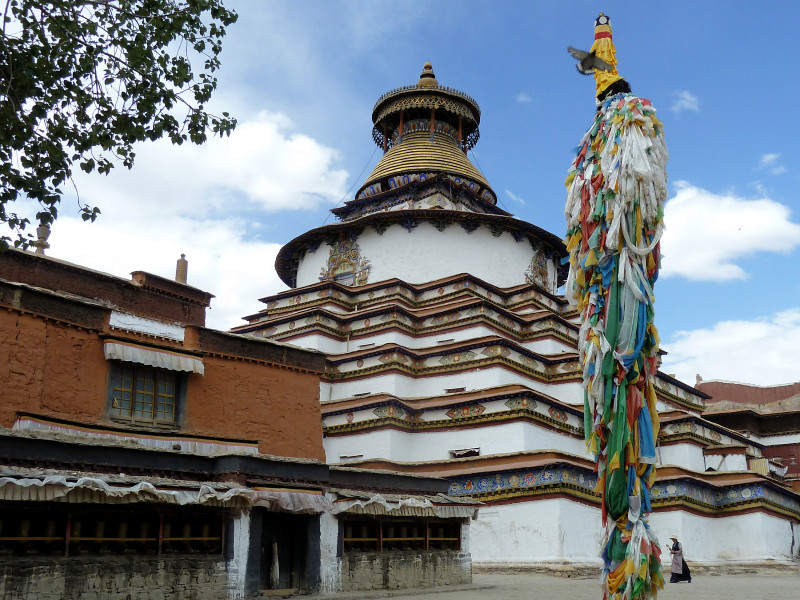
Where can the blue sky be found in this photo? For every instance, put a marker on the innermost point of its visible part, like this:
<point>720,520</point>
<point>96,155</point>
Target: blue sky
<point>302,78</point>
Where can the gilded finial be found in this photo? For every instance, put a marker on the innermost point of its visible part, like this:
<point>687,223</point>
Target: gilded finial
<point>427,78</point>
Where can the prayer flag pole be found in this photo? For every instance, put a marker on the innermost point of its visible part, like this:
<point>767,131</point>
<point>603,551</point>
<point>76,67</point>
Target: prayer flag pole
<point>617,186</point>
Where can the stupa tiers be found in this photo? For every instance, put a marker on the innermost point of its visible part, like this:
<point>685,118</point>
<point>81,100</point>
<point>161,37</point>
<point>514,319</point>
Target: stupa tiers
<point>425,186</point>
<point>450,353</point>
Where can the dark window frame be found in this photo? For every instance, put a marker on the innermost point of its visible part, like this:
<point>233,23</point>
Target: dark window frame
<point>387,534</point>
<point>53,529</point>
<point>126,412</point>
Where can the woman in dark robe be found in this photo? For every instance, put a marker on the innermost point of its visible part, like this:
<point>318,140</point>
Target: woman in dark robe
<point>680,570</point>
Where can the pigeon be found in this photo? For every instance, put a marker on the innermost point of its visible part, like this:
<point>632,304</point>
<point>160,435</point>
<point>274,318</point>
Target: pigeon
<point>588,62</point>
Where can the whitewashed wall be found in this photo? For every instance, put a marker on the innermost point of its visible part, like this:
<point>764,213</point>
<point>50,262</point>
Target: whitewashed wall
<point>747,537</point>
<point>776,440</point>
<point>330,565</point>
<point>237,564</point>
<point>563,530</point>
<point>425,254</point>
<point>688,456</point>
<point>726,462</point>
<point>401,446</point>
<point>537,531</point>
<point>476,379</point>
<point>333,346</point>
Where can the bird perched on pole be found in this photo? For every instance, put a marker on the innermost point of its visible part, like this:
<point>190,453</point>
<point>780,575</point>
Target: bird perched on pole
<point>616,189</point>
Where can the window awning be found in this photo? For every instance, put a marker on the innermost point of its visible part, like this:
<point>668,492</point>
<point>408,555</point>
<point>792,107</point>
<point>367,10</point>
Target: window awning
<point>162,359</point>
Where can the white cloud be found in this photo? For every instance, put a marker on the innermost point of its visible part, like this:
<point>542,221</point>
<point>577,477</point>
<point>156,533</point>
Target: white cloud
<point>762,351</point>
<point>706,233</point>
<point>771,164</point>
<point>514,197</point>
<point>238,271</point>
<point>524,97</point>
<point>212,203</point>
<point>686,101</point>
<point>262,164</point>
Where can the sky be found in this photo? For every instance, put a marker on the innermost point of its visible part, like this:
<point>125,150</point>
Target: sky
<point>302,78</point>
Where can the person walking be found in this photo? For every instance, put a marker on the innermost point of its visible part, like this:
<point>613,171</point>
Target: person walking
<point>680,570</point>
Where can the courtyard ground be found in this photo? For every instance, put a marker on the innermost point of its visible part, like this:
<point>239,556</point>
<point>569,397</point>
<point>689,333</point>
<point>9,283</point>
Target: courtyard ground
<point>516,586</point>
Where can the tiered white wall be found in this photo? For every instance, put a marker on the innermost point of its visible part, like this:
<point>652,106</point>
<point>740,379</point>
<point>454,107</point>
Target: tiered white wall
<point>747,537</point>
<point>688,456</point>
<point>726,462</point>
<point>425,254</point>
<point>476,379</point>
<point>531,532</point>
<point>401,446</point>
<point>777,440</point>
<point>564,530</point>
<point>333,346</point>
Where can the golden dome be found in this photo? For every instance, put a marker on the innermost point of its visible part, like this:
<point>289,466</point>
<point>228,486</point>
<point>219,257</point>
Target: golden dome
<point>417,154</point>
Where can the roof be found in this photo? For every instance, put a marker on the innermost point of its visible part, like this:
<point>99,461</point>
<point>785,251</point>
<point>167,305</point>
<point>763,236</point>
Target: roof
<point>449,105</point>
<point>418,154</point>
<point>746,394</point>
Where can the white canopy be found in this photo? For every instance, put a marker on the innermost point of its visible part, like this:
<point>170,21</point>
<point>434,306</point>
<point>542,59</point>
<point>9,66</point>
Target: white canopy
<point>163,359</point>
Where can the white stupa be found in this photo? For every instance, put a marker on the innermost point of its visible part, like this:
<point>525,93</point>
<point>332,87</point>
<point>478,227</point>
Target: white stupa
<point>450,352</point>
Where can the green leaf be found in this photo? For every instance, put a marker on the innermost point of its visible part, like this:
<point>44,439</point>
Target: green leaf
<point>89,80</point>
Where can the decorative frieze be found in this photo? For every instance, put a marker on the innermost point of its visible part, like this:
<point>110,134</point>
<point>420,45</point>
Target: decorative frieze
<point>345,263</point>
<point>384,412</point>
<point>457,358</point>
<point>462,412</point>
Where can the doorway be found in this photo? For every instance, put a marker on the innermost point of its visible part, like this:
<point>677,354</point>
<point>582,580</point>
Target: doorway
<point>284,552</point>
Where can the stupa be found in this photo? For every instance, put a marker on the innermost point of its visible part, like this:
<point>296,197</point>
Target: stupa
<point>450,352</point>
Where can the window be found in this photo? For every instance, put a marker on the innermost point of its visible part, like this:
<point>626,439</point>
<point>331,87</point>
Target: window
<point>378,534</point>
<point>344,457</point>
<point>464,452</point>
<point>72,530</point>
<point>142,393</point>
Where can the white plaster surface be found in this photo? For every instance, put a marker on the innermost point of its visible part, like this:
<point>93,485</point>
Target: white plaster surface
<point>312,264</point>
<point>128,322</point>
<point>473,379</point>
<point>746,537</point>
<point>726,462</point>
<point>401,446</point>
<point>323,343</point>
<point>536,531</point>
<point>425,254</point>
<point>466,536</point>
<point>688,456</point>
<point>237,565</point>
<point>330,565</point>
<point>777,440</point>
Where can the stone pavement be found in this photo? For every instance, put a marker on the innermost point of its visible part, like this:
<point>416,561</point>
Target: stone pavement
<point>526,586</point>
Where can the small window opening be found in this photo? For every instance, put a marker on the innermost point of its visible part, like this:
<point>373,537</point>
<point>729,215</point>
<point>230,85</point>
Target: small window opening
<point>344,457</point>
<point>465,452</point>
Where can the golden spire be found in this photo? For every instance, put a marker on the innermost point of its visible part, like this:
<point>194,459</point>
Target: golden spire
<point>603,47</point>
<point>427,79</point>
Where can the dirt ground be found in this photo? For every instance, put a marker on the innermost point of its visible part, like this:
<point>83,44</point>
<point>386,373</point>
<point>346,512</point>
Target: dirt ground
<point>775,586</point>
